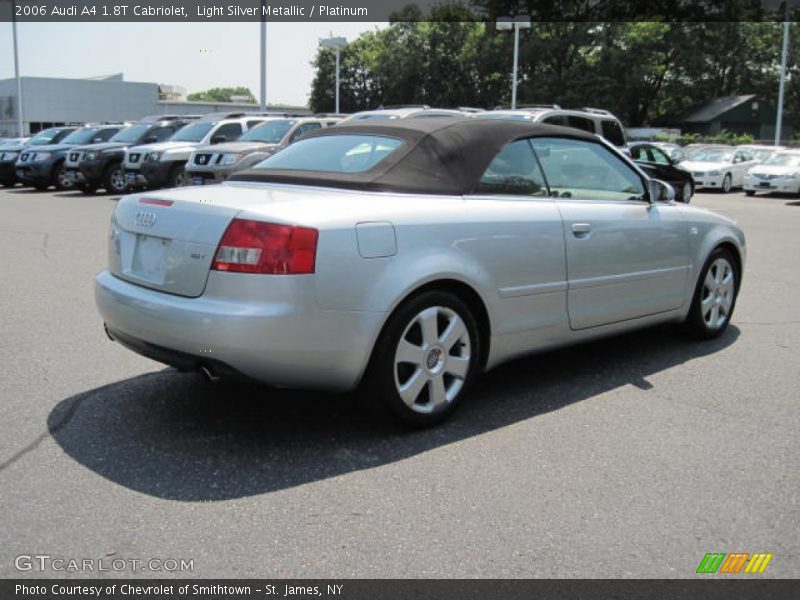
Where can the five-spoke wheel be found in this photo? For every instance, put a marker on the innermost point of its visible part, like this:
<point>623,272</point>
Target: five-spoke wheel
<point>715,295</point>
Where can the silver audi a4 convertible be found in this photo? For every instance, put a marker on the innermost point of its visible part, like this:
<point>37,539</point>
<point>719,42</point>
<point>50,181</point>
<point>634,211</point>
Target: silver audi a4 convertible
<point>407,257</point>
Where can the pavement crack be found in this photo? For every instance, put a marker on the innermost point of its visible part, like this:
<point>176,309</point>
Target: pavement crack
<point>44,247</point>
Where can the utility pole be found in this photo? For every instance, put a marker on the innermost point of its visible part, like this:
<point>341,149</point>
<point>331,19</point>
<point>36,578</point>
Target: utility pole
<point>263,58</point>
<point>782,85</point>
<point>16,68</point>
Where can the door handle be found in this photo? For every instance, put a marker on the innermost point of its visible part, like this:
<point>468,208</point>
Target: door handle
<point>581,229</point>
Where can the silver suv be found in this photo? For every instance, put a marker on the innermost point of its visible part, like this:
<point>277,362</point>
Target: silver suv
<point>593,120</point>
<point>162,165</point>
<point>214,164</point>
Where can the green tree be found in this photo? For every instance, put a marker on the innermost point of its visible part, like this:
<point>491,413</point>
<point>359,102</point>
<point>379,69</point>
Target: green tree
<point>221,95</point>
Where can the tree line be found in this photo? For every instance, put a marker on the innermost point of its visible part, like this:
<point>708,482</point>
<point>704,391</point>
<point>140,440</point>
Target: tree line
<point>647,73</point>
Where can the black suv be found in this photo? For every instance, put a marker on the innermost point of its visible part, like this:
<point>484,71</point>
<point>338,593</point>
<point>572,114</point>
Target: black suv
<point>10,154</point>
<point>43,166</point>
<point>100,165</point>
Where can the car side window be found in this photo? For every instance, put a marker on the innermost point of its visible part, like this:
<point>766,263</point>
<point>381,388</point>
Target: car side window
<point>514,171</point>
<point>556,120</point>
<point>230,130</point>
<point>303,129</point>
<point>586,170</point>
<point>612,131</point>
<point>581,123</point>
<point>639,153</point>
<point>161,133</point>
<point>659,157</point>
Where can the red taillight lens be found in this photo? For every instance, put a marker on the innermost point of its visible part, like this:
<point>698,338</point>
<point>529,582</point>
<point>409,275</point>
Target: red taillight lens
<point>155,202</point>
<point>258,247</point>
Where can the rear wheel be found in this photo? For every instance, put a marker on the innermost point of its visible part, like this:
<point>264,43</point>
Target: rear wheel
<point>714,296</point>
<point>114,180</point>
<point>426,359</point>
<point>61,180</point>
<point>726,183</point>
<point>686,193</point>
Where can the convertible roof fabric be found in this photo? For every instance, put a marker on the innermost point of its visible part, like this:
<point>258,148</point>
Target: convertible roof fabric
<point>438,156</point>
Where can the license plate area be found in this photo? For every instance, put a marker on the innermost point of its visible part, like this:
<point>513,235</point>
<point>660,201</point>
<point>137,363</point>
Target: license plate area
<point>150,258</point>
<point>199,180</point>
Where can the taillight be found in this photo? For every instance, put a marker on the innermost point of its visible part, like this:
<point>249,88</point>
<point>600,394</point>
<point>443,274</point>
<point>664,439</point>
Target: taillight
<point>268,248</point>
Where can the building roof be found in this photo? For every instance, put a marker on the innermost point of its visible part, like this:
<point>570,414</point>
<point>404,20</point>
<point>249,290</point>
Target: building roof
<point>439,155</point>
<point>717,107</point>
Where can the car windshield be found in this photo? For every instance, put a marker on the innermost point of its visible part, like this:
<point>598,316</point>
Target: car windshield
<point>193,133</point>
<point>784,160</point>
<point>270,132</point>
<point>131,134</point>
<point>761,154</point>
<point>711,155</point>
<point>333,153</point>
<point>45,137</point>
<point>82,136</point>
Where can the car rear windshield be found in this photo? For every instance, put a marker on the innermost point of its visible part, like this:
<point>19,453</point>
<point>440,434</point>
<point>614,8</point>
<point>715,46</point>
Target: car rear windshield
<point>784,160</point>
<point>270,132</point>
<point>82,136</point>
<point>333,154</point>
<point>131,134</point>
<point>192,133</point>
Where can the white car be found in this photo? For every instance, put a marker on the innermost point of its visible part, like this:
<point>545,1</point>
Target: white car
<point>407,256</point>
<point>718,167</point>
<point>779,173</point>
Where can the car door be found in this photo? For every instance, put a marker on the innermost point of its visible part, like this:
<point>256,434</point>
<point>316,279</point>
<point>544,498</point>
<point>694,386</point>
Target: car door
<point>626,257</point>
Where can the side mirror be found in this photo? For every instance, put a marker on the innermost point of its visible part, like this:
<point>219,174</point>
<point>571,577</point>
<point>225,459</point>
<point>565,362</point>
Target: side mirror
<point>661,191</point>
<point>219,139</point>
<point>150,139</point>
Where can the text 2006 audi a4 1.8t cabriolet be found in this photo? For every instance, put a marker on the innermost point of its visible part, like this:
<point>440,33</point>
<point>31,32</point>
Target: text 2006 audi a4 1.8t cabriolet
<point>411,256</point>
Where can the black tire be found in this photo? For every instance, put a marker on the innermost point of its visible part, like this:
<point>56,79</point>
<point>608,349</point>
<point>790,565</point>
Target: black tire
<point>60,179</point>
<point>114,179</point>
<point>42,187</point>
<point>700,322</point>
<point>727,184</point>
<point>750,192</point>
<point>437,361</point>
<point>178,176</point>
<point>88,189</point>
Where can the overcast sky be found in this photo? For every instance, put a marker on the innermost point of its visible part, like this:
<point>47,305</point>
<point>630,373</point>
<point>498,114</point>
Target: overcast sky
<point>197,56</point>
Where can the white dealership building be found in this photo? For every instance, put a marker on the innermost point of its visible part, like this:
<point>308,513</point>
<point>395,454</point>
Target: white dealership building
<point>50,101</point>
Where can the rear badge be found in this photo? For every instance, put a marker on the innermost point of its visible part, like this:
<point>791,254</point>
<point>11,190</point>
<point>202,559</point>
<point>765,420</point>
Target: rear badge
<point>145,219</point>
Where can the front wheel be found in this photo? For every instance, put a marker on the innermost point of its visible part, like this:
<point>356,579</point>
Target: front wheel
<point>715,296</point>
<point>178,177</point>
<point>727,184</point>
<point>114,180</point>
<point>426,359</point>
<point>686,193</point>
<point>61,180</point>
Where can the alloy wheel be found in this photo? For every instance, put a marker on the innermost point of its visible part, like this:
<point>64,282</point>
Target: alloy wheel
<point>432,359</point>
<point>716,300</point>
<point>117,180</point>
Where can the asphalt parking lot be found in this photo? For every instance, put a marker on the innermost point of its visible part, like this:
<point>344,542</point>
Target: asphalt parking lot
<point>628,457</point>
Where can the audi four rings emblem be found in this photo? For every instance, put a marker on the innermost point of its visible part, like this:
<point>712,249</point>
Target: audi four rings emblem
<point>145,219</point>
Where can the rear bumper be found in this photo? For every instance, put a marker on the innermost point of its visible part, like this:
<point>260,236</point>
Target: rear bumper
<point>280,337</point>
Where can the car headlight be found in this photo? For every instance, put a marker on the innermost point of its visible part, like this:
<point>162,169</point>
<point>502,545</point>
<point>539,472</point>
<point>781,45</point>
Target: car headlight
<point>91,155</point>
<point>40,156</point>
<point>154,156</point>
<point>714,173</point>
<point>10,155</point>
<point>229,159</point>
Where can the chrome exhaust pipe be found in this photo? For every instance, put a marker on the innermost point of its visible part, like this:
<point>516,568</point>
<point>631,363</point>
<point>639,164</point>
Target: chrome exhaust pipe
<point>209,374</point>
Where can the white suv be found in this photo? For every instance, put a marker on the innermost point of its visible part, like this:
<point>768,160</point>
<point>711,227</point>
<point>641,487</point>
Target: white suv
<point>593,120</point>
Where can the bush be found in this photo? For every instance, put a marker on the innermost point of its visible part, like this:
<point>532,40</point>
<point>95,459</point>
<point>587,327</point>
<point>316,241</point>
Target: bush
<point>723,137</point>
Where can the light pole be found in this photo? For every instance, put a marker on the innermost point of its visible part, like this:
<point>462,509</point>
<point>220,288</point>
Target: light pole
<point>516,23</point>
<point>337,43</point>
<point>263,58</point>
<point>782,85</point>
<point>16,68</point>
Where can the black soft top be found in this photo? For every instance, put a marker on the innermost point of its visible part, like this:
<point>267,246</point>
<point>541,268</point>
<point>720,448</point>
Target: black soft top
<point>438,155</point>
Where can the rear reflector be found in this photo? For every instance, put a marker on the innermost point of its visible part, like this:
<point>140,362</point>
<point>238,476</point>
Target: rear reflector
<point>154,202</point>
<point>267,248</point>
